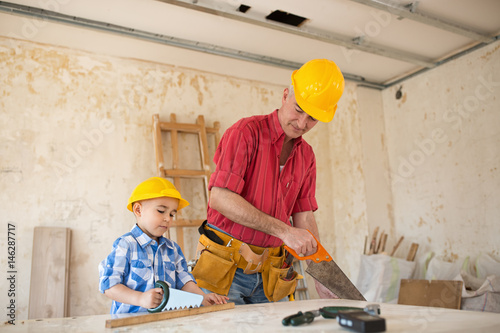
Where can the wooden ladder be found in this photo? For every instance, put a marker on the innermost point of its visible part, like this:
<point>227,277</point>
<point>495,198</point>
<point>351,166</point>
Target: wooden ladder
<point>204,173</point>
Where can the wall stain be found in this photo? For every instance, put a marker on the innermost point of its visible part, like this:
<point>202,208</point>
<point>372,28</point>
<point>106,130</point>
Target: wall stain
<point>195,83</point>
<point>403,100</point>
<point>488,54</point>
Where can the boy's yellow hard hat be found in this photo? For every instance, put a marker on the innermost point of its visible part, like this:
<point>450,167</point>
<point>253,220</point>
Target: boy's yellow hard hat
<point>155,187</point>
<point>318,86</point>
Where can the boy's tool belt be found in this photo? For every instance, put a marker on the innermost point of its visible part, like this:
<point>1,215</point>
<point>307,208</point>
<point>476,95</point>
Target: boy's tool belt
<point>217,264</point>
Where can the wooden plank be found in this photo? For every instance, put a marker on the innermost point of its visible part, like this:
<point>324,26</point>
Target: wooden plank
<point>179,232</point>
<point>380,242</point>
<point>412,253</point>
<point>158,146</point>
<point>205,159</point>
<point>373,243</point>
<point>183,173</point>
<point>384,241</point>
<point>147,318</point>
<point>189,128</point>
<point>186,223</point>
<point>49,273</point>
<point>396,246</point>
<point>435,293</point>
<point>175,144</point>
<point>364,248</point>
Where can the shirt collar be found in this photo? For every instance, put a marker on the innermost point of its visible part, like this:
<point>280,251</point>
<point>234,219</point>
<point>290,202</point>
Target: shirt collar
<point>277,131</point>
<point>144,240</point>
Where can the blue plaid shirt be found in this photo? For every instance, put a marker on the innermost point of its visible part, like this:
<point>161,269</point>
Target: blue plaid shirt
<point>132,263</point>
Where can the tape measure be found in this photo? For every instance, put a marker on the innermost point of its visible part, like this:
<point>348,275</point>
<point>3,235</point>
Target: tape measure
<point>361,321</point>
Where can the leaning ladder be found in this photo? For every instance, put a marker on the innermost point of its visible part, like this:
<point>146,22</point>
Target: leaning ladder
<point>175,172</point>
<point>301,292</point>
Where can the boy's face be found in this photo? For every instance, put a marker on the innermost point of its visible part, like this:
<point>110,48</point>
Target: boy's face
<point>154,216</point>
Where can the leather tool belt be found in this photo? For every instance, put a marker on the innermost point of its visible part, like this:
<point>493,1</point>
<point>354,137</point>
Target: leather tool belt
<point>218,259</point>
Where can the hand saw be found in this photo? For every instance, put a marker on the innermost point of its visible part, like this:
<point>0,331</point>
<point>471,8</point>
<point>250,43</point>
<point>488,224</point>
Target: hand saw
<point>328,273</point>
<point>174,299</point>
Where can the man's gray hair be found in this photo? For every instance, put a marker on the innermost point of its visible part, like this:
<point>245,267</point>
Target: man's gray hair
<point>291,92</point>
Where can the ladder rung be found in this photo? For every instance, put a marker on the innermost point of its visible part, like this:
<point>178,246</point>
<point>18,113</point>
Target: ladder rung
<point>185,173</point>
<point>187,223</point>
<point>190,128</point>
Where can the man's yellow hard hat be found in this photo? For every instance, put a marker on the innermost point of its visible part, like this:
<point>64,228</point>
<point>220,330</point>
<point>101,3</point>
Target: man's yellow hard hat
<point>155,187</point>
<point>318,86</point>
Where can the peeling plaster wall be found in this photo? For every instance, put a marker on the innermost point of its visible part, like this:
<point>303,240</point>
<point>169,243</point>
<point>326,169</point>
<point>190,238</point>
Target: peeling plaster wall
<point>443,140</point>
<point>348,195</point>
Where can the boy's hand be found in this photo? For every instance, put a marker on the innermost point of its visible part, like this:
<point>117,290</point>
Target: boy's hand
<point>212,299</point>
<point>151,298</point>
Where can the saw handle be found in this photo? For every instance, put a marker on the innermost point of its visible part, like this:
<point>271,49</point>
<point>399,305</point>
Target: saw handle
<point>166,293</point>
<point>318,256</point>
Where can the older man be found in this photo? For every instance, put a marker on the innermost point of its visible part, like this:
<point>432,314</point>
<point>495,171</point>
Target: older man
<point>263,192</point>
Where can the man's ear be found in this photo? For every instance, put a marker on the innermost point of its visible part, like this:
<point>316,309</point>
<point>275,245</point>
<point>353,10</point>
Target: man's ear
<point>285,96</point>
<point>137,209</point>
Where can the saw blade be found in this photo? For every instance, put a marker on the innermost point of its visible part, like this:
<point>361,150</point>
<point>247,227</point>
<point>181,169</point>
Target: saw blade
<point>329,274</point>
<point>178,299</point>
<point>174,299</point>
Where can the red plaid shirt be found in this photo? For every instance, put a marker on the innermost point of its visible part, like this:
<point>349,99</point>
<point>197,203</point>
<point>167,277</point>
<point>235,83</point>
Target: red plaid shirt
<point>247,163</point>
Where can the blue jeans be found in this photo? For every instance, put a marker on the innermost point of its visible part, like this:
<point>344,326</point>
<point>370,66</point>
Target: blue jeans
<point>247,289</point>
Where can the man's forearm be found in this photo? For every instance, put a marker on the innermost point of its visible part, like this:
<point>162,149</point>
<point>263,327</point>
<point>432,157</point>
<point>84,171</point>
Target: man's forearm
<point>306,220</point>
<point>237,209</point>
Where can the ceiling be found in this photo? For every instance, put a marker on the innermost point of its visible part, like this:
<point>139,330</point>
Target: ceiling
<point>376,43</point>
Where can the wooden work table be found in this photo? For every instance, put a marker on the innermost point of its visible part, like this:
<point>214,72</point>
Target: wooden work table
<point>267,318</point>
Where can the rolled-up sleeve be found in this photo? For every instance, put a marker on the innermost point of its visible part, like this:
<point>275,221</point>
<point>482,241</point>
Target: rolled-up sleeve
<point>113,269</point>
<point>231,158</point>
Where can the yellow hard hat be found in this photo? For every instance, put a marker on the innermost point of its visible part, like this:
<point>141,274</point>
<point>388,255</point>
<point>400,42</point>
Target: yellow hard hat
<point>155,187</point>
<point>318,86</point>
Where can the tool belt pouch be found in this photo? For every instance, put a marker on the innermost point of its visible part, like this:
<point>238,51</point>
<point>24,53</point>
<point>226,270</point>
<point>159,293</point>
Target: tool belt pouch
<point>215,267</point>
<point>275,287</point>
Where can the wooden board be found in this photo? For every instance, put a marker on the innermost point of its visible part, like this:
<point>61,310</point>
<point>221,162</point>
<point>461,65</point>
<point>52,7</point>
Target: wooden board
<point>412,252</point>
<point>147,318</point>
<point>49,273</point>
<point>434,293</point>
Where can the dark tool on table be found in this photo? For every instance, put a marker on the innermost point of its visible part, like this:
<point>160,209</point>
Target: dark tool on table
<point>329,274</point>
<point>329,312</point>
<point>361,321</point>
<point>174,299</point>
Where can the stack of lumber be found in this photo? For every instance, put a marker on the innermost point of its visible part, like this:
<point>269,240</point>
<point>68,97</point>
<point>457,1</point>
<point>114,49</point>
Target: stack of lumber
<point>377,245</point>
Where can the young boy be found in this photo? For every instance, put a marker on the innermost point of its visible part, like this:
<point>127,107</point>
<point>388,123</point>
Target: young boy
<point>143,256</point>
